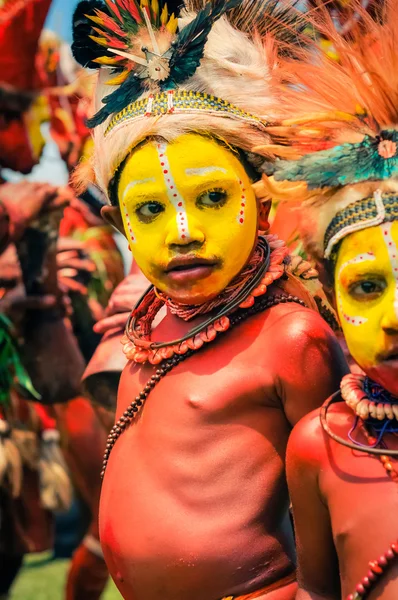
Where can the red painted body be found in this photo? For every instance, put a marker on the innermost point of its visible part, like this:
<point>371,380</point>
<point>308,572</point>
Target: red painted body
<point>345,508</point>
<point>194,501</point>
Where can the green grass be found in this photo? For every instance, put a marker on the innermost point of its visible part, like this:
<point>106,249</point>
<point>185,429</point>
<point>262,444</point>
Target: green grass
<point>44,579</point>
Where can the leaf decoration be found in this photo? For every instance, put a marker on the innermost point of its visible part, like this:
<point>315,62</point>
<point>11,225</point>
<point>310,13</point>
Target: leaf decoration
<point>12,371</point>
<point>345,164</point>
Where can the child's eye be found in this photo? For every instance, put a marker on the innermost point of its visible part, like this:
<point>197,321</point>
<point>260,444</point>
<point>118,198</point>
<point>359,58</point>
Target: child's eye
<point>149,211</point>
<point>212,198</point>
<point>367,289</point>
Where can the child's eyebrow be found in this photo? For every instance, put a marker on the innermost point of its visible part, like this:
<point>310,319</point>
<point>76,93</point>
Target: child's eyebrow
<point>360,258</point>
<point>204,170</point>
<point>137,182</point>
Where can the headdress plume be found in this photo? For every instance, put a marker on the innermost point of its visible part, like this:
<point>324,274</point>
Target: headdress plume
<point>115,34</point>
<point>344,129</point>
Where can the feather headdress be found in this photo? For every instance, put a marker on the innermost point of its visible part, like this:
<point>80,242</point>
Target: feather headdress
<point>345,130</point>
<point>172,71</point>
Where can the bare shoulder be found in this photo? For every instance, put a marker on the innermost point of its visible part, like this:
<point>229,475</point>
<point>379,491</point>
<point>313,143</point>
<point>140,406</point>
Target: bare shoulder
<point>303,325</point>
<point>304,335</point>
<point>298,324</point>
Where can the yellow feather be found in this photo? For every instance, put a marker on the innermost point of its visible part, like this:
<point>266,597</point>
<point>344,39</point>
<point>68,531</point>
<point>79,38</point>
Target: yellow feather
<point>164,17</point>
<point>106,60</point>
<point>155,7</point>
<point>119,79</point>
<point>172,24</point>
<point>96,20</point>
<point>99,40</point>
<point>144,3</point>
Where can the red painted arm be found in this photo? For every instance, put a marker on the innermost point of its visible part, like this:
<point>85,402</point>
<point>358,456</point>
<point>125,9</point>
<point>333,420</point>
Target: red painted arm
<point>311,362</point>
<point>318,570</point>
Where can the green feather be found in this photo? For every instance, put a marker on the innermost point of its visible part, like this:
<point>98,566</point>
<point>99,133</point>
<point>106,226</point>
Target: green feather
<point>342,165</point>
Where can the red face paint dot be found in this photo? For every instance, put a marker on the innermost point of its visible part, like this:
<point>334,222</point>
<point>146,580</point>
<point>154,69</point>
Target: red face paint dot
<point>183,236</point>
<point>161,155</point>
<point>174,195</point>
<point>240,182</point>
<point>240,220</point>
<point>179,204</point>
<point>243,198</point>
<point>241,212</point>
<point>172,187</point>
<point>162,164</point>
<point>243,204</point>
<point>165,171</point>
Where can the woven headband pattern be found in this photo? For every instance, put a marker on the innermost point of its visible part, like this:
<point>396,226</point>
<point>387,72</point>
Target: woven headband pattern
<point>359,215</point>
<point>180,101</point>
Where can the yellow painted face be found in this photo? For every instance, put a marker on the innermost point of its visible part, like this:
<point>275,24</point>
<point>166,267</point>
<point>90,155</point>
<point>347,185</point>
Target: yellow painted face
<point>366,286</point>
<point>190,215</point>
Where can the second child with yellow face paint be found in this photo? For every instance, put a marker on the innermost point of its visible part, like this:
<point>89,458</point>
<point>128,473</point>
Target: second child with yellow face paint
<point>342,462</point>
<point>224,354</point>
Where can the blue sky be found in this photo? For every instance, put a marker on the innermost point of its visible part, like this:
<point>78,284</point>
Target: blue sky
<point>60,17</point>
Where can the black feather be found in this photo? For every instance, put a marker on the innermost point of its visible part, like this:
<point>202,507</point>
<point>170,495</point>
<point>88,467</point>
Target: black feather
<point>189,46</point>
<point>84,49</point>
<point>118,100</point>
<point>173,6</point>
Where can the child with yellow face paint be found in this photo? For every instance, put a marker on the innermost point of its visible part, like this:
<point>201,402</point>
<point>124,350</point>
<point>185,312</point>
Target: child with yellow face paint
<point>224,353</point>
<point>342,463</point>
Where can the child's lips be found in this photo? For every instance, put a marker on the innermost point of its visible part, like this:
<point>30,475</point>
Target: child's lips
<point>189,268</point>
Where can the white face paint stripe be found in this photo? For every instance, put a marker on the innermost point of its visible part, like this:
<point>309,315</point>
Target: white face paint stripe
<point>172,192</point>
<point>205,170</point>
<point>128,222</point>
<point>393,256</point>
<point>126,191</point>
<point>356,320</point>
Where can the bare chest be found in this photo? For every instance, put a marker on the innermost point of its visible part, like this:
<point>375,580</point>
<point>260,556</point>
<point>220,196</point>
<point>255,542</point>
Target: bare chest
<point>190,487</point>
<point>363,505</point>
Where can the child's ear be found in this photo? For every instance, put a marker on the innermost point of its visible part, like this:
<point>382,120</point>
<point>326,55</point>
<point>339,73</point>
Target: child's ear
<point>263,220</point>
<point>112,215</point>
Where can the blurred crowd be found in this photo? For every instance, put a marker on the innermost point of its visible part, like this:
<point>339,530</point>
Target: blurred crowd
<point>59,265</point>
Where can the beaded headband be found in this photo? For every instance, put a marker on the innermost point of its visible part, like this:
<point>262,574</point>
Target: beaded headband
<point>181,101</point>
<point>359,215</point>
